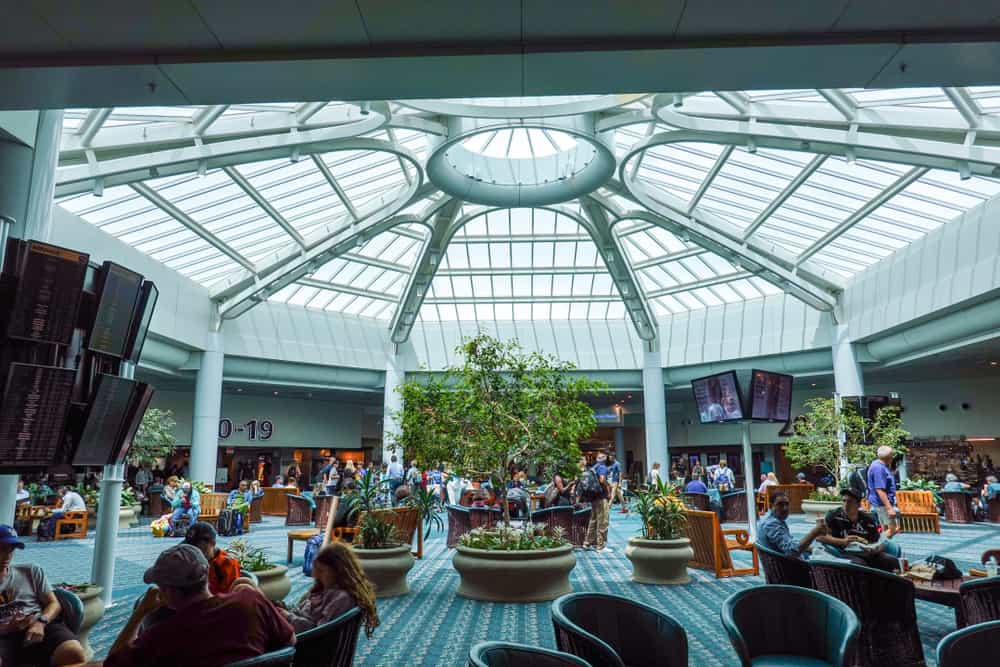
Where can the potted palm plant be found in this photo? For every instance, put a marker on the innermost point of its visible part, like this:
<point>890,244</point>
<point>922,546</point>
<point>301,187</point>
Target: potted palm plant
<point>272,578</point>
<point>384,557</point>
<point>499,409</point>
<point>126,511</point>
<point>661,553</point>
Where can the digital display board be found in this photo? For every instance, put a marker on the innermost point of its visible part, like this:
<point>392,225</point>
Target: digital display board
<point>106,414</point>
<point>115,307</point>
<point>140,322</point>
<point>33,412</point>
<point>770,396</point>
<point>137,410</point>
<point>718,398</point>
<point>50,283</point>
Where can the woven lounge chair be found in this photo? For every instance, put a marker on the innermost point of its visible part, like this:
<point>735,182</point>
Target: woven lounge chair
<point>560,516</point>
<point>884,604</point>
<point>696,501</point>
<point>956,507</point>
<point>712,545</point>
<point>970,646</point>
<point>980,600</point>
<point>734,506</point>
<point>581,518</point>
<point>331,644</point>
<point>283,658</point>
<point>504,654</point>
<point>463,519</point>
<point>781,569</point>
<point>299,511</point>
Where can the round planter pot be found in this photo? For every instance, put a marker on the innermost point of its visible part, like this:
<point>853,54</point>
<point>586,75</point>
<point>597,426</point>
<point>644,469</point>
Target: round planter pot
<point>659,561</point>
<point>125,517</point>
<point>93,610</point>
<point>818,508</point>
<point>274,582</point>
<point>387,568</point>
<point>514,576</point>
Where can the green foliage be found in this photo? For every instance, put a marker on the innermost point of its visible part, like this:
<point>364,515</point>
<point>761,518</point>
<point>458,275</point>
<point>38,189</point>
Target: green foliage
<point>39,492</point>
<point>505,538</point>
<point>825,496</point>
<point>128,498</point>
<point>251,558</point>
<point>428,503</point>
<point>373,533</point>
<point>500,407</point>
<point>90,496</point>
<point>367,499</point>
<point>920,484</point>
<point>201,487</point>
<point>815,443</point>
<point>661,511</point>
<point>155,437</point>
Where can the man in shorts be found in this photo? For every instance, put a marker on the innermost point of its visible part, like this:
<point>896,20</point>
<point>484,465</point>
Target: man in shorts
<point>882,491</point>
<point>31,632</point>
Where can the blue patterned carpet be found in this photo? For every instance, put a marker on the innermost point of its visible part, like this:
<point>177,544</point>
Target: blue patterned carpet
<point>433,626</point>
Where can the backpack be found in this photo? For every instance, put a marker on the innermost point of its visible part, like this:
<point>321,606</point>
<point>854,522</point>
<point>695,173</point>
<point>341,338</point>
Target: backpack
<point>589,486</point>
<point>225,525</point>
<point>313,545</point>
<point>160,527</point>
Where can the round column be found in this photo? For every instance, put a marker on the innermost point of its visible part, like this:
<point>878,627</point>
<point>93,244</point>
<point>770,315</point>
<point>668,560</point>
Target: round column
<point>207,408</point>
<point>655,408</point>
<point>392,403</point>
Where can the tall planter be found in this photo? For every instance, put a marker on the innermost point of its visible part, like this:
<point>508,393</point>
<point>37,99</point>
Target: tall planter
<point>274,583</point>
<point>387,569</point>
<point>659,561</point>
<point>93,611</point>
<point>125,517</point>
<point>818,508</point>
<point>514,576</point>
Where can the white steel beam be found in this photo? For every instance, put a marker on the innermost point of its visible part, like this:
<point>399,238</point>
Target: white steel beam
<point>783,196</point>
<point>92,124</point>
<point>524,271</point>
<point>881,198</point>
<point>706,182</point>
<point>840,101</point>
<point>735,99</point>
<point>707,282</point>
<point>307,110</point>
<point>204,118</point>
<point>259,199</point>
<point>180,216</point>
<point>666,259</point>
<point>965,105</point>
<point>328,175</point>
<point>346,289</point>
<point>462,300</point>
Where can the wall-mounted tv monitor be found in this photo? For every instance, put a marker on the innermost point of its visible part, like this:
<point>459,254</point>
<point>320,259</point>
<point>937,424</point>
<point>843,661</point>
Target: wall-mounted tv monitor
<point>33,413</point>
<point>137,410</point>
<point>140,322</point>
<point>770,396</point>
<point>50,283</point>
<point>718,398</point>
<point>107,412</point>
<point>116,302</point>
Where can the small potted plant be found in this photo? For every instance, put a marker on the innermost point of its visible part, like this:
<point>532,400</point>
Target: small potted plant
<point>93,609</point>
<point>126,511</point>
<point>272,578</point>
<point>662,551</point>
<point>384,558</point>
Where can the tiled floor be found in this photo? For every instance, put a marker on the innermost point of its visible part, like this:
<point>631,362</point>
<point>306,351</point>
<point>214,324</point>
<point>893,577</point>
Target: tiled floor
<point>433,626</point>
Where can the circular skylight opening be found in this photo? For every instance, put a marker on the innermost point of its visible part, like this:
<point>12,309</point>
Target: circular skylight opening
<point>522,107</point>
<point>520,143</point>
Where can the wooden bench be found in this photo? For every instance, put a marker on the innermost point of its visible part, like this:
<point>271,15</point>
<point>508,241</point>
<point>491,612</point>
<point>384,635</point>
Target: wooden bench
<point>72,525</point>
<point>211,505</point>
<point>918,512</point>
<point>712,545</point>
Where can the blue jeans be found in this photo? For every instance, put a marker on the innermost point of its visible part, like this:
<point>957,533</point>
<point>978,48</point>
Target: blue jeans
<point>191,512</point>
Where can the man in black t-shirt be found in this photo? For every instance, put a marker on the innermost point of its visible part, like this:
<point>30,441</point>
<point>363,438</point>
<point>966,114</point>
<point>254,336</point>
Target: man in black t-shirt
<point>854,534</point>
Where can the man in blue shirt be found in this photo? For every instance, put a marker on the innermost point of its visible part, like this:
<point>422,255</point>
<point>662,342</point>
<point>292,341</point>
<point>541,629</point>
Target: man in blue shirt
<point>615,477</point>
<point>597,528</point>
<point>882,491</point>
<point>696,486</point>
<point>396,473</point>
<point>773,533</point>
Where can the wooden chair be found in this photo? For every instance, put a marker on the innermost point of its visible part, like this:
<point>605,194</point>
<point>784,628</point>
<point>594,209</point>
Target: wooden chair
<point>72,525</point>
<point>763,503</point>
<point>304,534</point>
<point>299,511</point>
<point>918,512</point>
<point>712,546</point>
<point>22,519</point>
<point>323,503</point>
<point>407,522</point>
<point>211,505</point>
<point>956,507</point>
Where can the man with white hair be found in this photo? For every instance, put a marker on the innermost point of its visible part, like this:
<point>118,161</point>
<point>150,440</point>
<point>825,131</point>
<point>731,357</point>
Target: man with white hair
<point>882,491</point>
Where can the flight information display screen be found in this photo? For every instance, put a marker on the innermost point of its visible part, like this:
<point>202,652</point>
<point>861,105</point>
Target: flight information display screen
<point>718,398</point>
<point>141,320</point>
<point>115,307</point>
<point>103,424</point>
<point>33,414</point>
<point>770,396</point>
<point>48,294</point>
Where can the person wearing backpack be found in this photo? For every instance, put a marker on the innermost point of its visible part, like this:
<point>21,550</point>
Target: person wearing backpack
<point>594,488</point>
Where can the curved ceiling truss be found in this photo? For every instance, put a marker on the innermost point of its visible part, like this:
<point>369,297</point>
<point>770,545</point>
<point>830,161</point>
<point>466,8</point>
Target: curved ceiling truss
<point>715,197</point>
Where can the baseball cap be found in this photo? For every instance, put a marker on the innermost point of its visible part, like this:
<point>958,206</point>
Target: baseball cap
<point>9,536</point>
<point>180,566</point>
<point>853,492</point>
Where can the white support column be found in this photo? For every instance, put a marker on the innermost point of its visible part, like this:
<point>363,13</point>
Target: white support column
<point>655,410</point>
<point>393,403</point>
<point>847,379</point>
<point>748,484</point>
<point>207,406</point>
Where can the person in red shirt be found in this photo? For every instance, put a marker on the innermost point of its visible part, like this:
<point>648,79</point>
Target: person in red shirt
<point>223,569</point>
<point>206,630</point>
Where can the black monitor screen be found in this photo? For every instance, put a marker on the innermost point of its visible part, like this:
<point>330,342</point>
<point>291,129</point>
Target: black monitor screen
<point>115,306</point>
<point>140,402</point>
<point>140,323</point>
<point>770,396</point>
<point>718,398</point>
<point>106,415</point>
<point>33,414</point>
<point>48,294</point>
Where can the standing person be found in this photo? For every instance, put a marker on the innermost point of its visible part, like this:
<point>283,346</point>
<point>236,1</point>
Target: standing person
<point>882,490</point>
<point>143,478</point>
<point>413,476</point>
<point>597,528</point>
<point>395,472</point>
<point>615,477</point>
<point>294,471</point>
<point>30,629</point>
<point>725,481</point>
<point>349,474</point>
<point>654,474</point>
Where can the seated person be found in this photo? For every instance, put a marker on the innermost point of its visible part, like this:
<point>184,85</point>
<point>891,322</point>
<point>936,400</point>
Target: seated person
<point>171,489</point>
<point>991,489</point>
<point>403,491</point>
<point>696,486</point>
<point>292,483</point>
<point>239,500</point>
<point>223,569</point>
<point>339,585</point>
<point>23,495</point>
<point>30,629</point>
<point>71,501</point>
<point>849,525</point>
<point>206,629</point>
<point>773,533</point>
<point>186,502</point>
<point>769,480</point>
<point>952,485</point>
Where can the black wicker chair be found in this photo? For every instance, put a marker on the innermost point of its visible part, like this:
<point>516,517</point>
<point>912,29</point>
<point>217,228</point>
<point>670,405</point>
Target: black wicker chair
<point>613,631</point>
<point>980,600</point>
<point>957,507</point>
<point>885,606</point>
<point>282,658</point>
<point>734,506</point>
<point>503,654</point>
<point>299,511</point>
<point>331,644</point>
<point>581,518</point>
<point>696,501</point>
<point>784,570</point>
<point>969,646</point>
<point>463,519</point>
<point>560,516</point>
<point>791,623</point>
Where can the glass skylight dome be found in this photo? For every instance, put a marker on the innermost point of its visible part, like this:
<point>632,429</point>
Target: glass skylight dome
<point>583,207</point>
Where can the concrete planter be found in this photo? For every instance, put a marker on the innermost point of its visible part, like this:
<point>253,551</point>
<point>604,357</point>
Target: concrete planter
<point>274,583</point>
<point>659,561</point>
<point>387,568</point>
<point>93,611</point>
<point>817,509</point>
<point>514,576</point>
<point>125,517</point>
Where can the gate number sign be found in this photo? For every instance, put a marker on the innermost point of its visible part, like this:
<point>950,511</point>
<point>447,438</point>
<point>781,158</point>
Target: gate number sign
<point>255,429</point>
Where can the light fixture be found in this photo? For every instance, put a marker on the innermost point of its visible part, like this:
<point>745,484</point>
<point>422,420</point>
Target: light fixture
<point>239,389</point>
<point>995,363</point>
<point>275,393</point>
<point>813,384</point>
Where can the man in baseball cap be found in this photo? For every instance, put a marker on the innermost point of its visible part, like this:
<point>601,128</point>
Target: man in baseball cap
<point>30,629</point>
<point>854,534</point>
<point>204,629</point>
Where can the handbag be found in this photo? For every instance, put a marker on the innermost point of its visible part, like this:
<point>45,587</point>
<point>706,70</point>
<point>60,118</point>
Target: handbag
<point>945,568</point>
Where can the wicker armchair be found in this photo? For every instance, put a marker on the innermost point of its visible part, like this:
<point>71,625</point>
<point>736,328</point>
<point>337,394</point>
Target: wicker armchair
<point>581,518</point>
<point>613,631</point>
<point>957,508</point>
<point>504,654</point>
<point>560,516</point>
<point>696,501</point>
<point>255,506</point>
<point>299,511</point>
<point>993,509</point>
<point>323,502</point>
<point>969,646</point>
<point>980,600</point>
<point>734,506</point>
<point>463,519</point>
<point>331,644</point>
<point>282,658</point>
<point>781,569</point>
<point>884,604</point>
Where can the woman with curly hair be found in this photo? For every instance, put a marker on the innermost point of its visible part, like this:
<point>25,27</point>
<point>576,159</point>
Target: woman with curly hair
<point>339,585</point>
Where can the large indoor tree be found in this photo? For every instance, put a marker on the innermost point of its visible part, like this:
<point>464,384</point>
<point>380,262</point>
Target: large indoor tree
<point>154,438</point>
<point>499,409</point>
